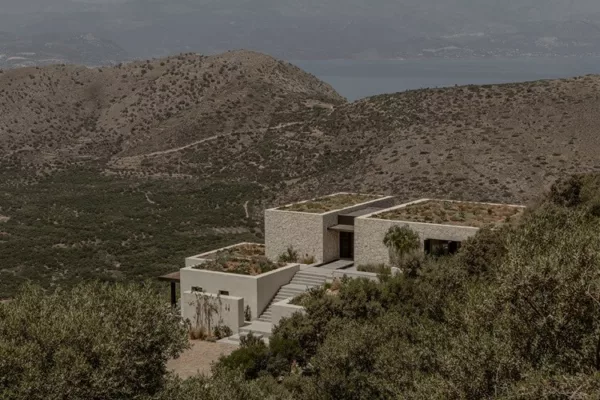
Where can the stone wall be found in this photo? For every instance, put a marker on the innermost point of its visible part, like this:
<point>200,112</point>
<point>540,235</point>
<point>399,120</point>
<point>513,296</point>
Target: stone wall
<point>307,232</point>
<point>369,234</point>
<point>301,230</point>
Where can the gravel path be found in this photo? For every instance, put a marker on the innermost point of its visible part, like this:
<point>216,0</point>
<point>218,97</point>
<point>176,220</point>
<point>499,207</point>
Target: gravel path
<point>199,358</point>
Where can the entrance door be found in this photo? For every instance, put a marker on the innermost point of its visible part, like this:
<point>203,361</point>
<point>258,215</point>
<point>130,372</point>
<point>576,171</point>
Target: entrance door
<point>347,245</point>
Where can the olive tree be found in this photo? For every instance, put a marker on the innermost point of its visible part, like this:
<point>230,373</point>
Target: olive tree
<point>401,241</point>
<point>95,341</point>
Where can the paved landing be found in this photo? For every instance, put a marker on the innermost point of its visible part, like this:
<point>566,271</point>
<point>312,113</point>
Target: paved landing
<point>339,264</point>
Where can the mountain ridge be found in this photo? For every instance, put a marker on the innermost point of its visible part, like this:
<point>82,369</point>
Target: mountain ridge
<point>120,173</point>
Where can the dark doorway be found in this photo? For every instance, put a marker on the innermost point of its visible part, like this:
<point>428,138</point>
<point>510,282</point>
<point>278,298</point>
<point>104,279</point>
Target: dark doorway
<point>346,245</point>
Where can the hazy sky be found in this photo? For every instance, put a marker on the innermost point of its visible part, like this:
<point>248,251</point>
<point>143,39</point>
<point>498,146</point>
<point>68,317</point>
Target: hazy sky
<point>311,28</point>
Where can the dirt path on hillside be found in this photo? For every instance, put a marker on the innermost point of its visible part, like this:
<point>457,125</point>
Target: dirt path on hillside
<point>198,359</point>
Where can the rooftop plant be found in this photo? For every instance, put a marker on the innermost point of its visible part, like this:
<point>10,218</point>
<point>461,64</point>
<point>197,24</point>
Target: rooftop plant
<point>454,213</point>
<point>330,203</point>
<point>247,259</point>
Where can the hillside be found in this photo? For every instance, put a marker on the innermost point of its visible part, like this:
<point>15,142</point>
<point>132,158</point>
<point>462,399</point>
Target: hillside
<point>118,173</point>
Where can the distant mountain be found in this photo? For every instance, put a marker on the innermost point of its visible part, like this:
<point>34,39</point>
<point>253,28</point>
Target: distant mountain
<point>118,173</point>
<point>246,116</point>
<point>58,48</point>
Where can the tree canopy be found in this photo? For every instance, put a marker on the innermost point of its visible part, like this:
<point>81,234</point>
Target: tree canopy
<point>515,314</point>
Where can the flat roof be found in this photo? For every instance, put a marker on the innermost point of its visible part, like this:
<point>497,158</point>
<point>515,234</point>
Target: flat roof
<point>450,212</point>
<point>332,202</point>
<point>362,211</point>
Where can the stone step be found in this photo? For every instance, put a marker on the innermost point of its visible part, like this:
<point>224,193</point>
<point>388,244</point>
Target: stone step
<point>315,274</point>
<point>306,282</point>
<point>312,277</point>
<point>289,293</point>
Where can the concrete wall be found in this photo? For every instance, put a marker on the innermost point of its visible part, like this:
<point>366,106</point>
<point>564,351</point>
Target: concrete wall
<point>253,289</point>
<point>231,310</point>
<point>307,232</point>
<point>369,233</point>
<point>284,309</point>
<point>268,285</point>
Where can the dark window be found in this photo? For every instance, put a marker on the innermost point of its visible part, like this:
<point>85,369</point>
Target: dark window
<point>223,292</point>
<point>197,289</point>
<point>441,247</point>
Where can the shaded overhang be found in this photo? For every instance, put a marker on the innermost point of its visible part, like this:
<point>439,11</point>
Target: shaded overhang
<point>172,277</point>
<point>342,228</point>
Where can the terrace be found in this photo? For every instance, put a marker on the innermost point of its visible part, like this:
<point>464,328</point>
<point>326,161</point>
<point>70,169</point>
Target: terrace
<point>243,259</point>
<point>333,202</point>
<point>456,213</point>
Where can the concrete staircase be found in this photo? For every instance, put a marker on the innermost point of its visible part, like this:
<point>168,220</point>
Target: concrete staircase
<point>303,281</point>
<point>300,283</point>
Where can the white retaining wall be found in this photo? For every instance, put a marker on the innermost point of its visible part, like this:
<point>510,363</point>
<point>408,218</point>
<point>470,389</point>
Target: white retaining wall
<point>307,232</point>
<point>231,310</point>
<point>284,309</point>
<point>255,290</point>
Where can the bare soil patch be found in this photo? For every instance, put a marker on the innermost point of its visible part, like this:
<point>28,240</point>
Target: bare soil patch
<point>199,358</point>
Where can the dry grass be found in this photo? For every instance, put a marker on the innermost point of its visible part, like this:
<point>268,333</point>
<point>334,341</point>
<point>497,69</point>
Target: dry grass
<point>199,358</point>
<point>330,203</point>
<point>454,213</point>
<point>247,259</point>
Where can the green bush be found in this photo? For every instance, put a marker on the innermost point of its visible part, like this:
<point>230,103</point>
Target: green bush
<point>375,268</point>
<point>95,341</point>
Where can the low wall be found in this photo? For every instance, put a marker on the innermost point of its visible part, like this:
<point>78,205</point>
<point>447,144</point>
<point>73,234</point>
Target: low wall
<point>251,288</point>
<point>284,309</point>
<point>230,313</point>
<point>340,273</point>
<point>270,283</point>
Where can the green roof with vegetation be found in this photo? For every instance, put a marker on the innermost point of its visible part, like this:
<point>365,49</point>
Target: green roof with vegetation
<point>246,259</point>
<point>330,203</point>
<point>454,213</point>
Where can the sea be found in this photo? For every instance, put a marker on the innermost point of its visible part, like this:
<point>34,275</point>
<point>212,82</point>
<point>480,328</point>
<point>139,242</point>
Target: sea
<point>356,79</point>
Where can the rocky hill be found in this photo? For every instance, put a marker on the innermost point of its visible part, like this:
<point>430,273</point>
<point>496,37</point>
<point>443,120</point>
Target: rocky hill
<point>124,171</point>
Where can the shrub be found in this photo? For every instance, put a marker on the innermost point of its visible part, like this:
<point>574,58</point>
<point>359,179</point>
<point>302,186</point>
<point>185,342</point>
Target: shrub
<point>95,341</point>
<point>307,259</point>
<point>290,256</point>
<point>251,358</point>
<point>375,268</point>
<point>401,240</point>
<point>222,331</point>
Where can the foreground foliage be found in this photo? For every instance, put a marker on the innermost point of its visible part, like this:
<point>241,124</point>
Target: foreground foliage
<point>515,314</point>
<point>95,341</point>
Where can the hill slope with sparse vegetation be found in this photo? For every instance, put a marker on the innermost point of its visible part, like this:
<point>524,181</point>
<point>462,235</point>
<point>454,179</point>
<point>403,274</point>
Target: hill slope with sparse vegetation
<point>120,172</point>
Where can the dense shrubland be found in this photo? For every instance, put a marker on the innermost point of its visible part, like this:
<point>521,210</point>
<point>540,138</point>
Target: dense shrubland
<point>514,315</point>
